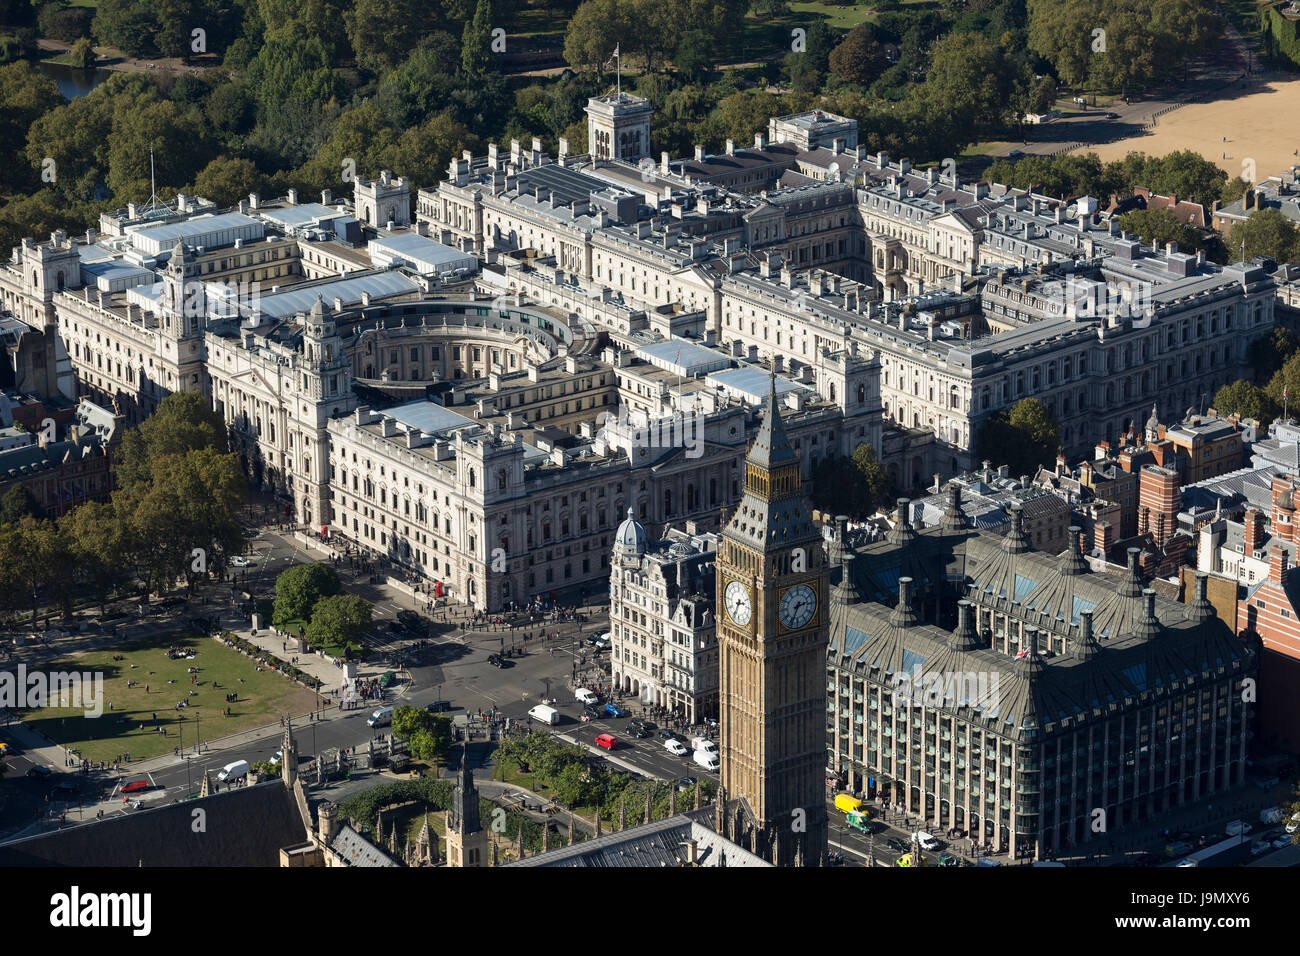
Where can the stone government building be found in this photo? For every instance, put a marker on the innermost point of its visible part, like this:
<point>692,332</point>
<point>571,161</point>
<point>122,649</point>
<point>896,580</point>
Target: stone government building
<point>449,419</point>
<point>1065,695</point>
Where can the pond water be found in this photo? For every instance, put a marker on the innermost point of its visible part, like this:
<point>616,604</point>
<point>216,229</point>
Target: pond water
<point>73,82</point>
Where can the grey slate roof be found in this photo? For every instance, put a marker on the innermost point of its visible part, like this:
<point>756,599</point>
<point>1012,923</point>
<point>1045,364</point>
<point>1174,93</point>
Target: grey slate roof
<point>357,850</point>
<point>1137,650</point>
<point>245,827</point>
<point>660,843</point>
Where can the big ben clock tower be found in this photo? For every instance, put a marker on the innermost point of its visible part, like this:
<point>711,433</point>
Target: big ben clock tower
<point>772,635</point>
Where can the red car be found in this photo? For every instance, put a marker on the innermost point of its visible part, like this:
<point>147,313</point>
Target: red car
<point>135,786</point>
<point>607,741</point>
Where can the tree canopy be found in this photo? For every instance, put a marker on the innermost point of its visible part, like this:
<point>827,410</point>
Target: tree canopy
<point>1023,439</point>
<point>298,589</point>
<point>854,486</point>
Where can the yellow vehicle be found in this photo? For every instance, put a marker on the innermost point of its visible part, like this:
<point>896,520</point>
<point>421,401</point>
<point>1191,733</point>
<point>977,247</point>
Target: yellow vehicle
<point>847,802</point>
<point>906,860</point>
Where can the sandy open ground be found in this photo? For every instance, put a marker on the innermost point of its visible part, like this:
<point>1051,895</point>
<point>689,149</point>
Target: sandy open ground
<point>1260,126</point>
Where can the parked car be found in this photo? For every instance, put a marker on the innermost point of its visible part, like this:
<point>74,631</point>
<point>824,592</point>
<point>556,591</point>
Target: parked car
<point>947,859</point>
<point>588,714</point>
<point>667,734</point>
<point>1281,841</point>
<point>649,725</point>
<point>1112,116</point>
<point>640,733</point>
<point>1178,848</point>
<point>675,747</point>
<point>608,741</point>
<point>1238,828</point>
<point>614,710</point>
<point>896,845</point>
<point>439,707</point>
<point>602,642</point>
<point>496,660</point>
<point>1260,846</point>
<point>39,772</point>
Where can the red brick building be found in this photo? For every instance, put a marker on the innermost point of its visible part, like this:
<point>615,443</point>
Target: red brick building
<point>1271,610</point>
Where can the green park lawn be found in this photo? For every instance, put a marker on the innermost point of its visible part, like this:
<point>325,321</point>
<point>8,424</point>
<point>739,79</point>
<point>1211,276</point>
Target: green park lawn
<point>263,697</point>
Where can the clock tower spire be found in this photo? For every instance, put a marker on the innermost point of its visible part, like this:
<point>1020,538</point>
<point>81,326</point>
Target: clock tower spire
<point>772,636</point>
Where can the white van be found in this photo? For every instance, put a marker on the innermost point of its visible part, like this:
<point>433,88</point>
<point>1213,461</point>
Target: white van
<point>547,715</point>
<point>381,718</point>
<point>927,840</point>
<point>588,697</point>
<point>707,760</point>
<point>233,771</point>
<point>704,745</point>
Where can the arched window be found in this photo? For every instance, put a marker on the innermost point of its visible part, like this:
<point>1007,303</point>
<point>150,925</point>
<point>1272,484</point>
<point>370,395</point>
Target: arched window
<point>501,479</point>
<point>472,478</point>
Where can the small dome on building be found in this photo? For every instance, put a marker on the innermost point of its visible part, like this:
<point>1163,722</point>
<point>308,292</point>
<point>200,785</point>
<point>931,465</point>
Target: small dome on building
<point>631,536</point>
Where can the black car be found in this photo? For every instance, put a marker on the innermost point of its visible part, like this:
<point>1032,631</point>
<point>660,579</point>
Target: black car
<point>39,772</point>
<point>649,725</point>
<point>496,660</point>
<point>439,707</point>
<point>667,734</point>
<point>410,620</point>
<point>897,845</point>
<point>684,782</point>
<point>1112,116</point>
<point>640,733</point>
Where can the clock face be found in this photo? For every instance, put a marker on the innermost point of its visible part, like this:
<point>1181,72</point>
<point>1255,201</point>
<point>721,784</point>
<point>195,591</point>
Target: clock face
<point>736,598</point>
<point>797,606</point>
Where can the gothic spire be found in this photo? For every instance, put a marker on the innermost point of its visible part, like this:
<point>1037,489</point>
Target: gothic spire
<point>771,448</point>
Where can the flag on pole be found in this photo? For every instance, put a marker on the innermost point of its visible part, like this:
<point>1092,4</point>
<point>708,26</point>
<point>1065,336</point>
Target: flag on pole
<point>1023,652</point>
<point>612,57</point>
